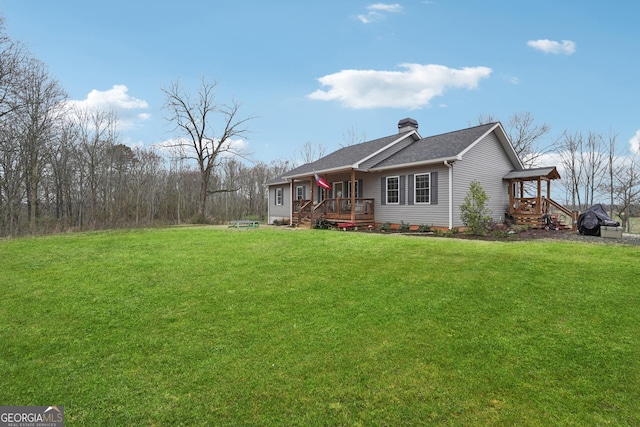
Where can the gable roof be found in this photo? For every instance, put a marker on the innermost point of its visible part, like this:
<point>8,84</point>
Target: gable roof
<point>406,149</point>
<point>349,157</point>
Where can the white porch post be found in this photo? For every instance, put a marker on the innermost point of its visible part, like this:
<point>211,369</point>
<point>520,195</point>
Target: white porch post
<point>291,201</point>
<point>448,165</point>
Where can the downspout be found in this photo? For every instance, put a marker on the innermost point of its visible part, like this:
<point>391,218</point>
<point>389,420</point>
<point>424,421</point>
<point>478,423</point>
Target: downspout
<point>291,195</point>
<point>446,163</point>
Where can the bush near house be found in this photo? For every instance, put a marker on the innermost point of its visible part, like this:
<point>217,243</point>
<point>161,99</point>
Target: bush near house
<point>473,211</point>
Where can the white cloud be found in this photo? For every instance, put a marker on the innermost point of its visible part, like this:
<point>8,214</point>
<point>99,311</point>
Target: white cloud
<point>377,12</point>
<point>566,47</point>
<point>634,142</point>
<point>410,89</point>
<point>115,100</point>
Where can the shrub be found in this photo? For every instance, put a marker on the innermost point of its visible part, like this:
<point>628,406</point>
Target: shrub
<point>404,227</point>
<point>423,228</point>
<point>385,227</point>
<point>473,211</point>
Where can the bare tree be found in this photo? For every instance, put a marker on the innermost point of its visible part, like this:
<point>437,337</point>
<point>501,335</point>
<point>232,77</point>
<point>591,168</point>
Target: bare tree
<point>569,148</point>
<point>11,178</point>
<point>483,119</point>
<point>40,97</point>
<point>194,120</point>
<point>627,189</point>
<point>525,135</point>
<point>63,168</point>
<point>353,137</point>
<point>13,58</point>
<point>97,134</point>
<point>308,153</point>
<point>610,168</point>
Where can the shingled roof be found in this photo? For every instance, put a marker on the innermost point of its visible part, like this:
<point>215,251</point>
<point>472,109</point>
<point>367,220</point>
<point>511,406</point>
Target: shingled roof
<point>447,146</point>
<point>349,157</point>
<point>402,149</point>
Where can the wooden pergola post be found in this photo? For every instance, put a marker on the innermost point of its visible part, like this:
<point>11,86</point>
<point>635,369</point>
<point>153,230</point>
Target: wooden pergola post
<point>511,195</point>
<point>293,202</point>
<point>539,197</point>
<point>313,186</point>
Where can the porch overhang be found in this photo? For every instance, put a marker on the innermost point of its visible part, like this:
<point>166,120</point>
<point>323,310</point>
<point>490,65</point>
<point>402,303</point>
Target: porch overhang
<point>534,174</point>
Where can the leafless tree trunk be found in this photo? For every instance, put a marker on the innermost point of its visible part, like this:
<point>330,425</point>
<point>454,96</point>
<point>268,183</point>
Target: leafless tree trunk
<point>11,179</point>
<point>594,166</point>
<point>627,189</point>
<point>98,133</point>
<point>63,169</point>
<point>569,148</point>
<point>194,121</point>
<point>40,98</point>
<point>610,169</point>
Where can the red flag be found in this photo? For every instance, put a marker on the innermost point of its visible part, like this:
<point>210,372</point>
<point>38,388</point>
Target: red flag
<point>321,182</point>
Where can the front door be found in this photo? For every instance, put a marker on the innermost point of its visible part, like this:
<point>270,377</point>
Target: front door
<point>337,190</point>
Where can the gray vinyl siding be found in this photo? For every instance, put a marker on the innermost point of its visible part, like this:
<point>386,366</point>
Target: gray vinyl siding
<point>417,214</point>
<point>487,163</point>
<point>279,211</point>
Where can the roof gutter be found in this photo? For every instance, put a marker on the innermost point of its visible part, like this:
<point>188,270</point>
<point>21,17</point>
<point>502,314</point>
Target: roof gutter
<point>450,167</point>
<point>319,172</point>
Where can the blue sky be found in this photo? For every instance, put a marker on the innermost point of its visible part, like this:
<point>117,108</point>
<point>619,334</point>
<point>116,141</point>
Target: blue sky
<point>317,71</point>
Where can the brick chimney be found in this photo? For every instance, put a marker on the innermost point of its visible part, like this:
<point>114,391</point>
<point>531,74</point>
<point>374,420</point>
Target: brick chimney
<point>406,125</point>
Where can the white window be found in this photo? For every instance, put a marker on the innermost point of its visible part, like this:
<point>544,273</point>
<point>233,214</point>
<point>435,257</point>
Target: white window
<point>300,192</point>
<point>278,196</point>
<point>422,187</point>
<point>357,185</point>
<point>393,190</point>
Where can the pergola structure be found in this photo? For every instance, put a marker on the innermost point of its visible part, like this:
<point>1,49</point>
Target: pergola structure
<point>538,210</point>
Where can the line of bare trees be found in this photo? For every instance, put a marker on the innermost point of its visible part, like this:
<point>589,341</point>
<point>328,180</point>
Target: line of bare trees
<point>595,173</point>
<point>65,168</point>
<point>593,170</point>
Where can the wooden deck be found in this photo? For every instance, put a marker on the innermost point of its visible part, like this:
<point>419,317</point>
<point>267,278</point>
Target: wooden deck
<point>360,212</point>
<point>541,212</point>
<point>527,204</point>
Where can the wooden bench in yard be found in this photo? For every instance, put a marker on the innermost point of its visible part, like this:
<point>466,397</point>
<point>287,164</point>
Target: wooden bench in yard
<point>243,223</point>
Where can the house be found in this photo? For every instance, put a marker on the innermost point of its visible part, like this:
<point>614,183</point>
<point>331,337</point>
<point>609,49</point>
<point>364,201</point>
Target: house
<point>405,178</point>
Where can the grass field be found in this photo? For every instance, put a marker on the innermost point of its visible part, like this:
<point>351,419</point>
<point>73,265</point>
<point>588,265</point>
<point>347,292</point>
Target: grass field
<point>210,326</point>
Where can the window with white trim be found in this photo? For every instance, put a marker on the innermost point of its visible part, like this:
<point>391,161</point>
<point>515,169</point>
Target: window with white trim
<point>278,196</point>
<point>299,192</point>
<point>393,190</point>
<point>357,188</point>
<point>422,186</point>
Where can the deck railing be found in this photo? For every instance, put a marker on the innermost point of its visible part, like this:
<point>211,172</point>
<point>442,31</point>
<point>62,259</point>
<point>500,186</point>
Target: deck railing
<point>530,210</point>
<point>338,209</point>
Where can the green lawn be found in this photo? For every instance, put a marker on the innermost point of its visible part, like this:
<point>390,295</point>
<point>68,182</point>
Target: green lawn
<point>216,326</point>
